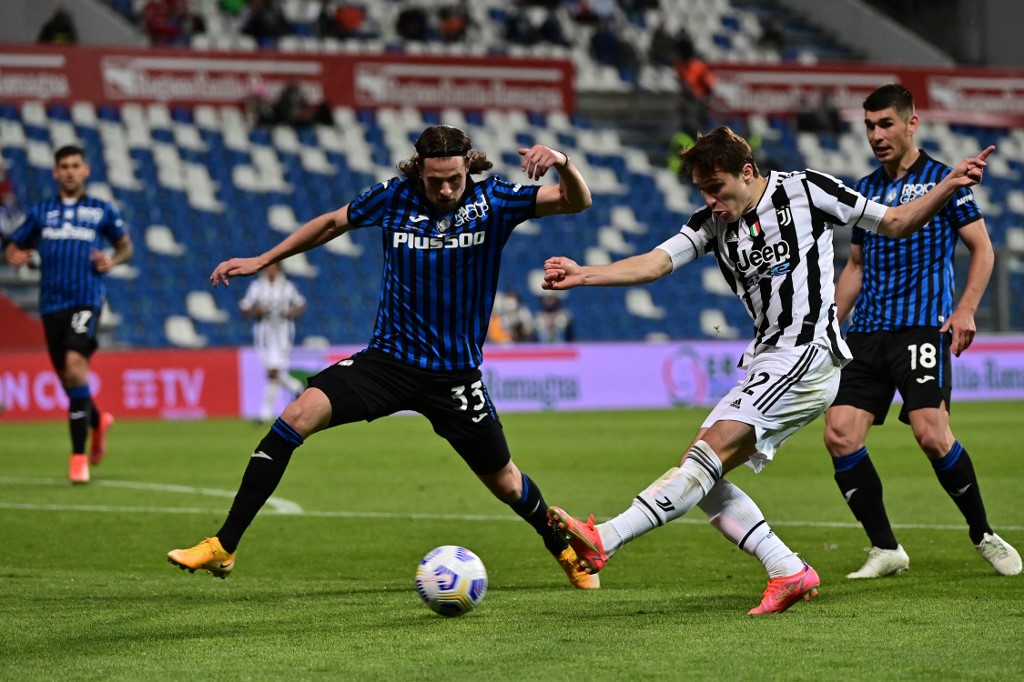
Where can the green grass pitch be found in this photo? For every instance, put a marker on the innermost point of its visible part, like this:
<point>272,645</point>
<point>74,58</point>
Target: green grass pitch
<point>323,588</point>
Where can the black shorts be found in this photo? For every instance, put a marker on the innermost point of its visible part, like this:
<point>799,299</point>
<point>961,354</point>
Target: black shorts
<point>73,329</point>
<point>372,384</point>
<point>915,361</point>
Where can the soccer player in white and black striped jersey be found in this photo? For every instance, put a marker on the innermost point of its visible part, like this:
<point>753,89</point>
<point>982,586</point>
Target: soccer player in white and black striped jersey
<point>442,234</point>
<point>274,302</point>
<point>904,331</point>
<point>772,237</point>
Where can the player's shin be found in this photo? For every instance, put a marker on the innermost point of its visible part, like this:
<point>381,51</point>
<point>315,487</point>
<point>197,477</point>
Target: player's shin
<point>672,495</point>
<point>263,473</point>
<point>533,509</point>
<point>738,518</point>
<point>79,401</point>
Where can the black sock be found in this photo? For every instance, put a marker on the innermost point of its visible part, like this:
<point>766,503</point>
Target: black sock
<point>264,472</point>
<point>79,401</point>
<point>532,507</point>
<point>860,485</point>
<point>94,415</point>
<point>956,475</point>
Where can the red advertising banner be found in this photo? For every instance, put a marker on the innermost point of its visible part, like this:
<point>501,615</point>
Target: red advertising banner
<point>110,75</point>
<point>167,384</point>
<point>978,96</point>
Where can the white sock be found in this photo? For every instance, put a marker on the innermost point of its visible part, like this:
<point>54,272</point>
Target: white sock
<point>269,398</point>
<point>668,498</point>
<point>738,518</point>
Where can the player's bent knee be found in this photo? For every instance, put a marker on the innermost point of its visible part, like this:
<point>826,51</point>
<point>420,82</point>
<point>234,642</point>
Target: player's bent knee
<point>309,413</point>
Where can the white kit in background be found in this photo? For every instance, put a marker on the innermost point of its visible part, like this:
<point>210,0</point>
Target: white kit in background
<point>274,302</point>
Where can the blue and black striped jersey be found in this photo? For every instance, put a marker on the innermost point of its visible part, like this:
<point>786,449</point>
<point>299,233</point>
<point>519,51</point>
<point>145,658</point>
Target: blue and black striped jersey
<point>66,234</point>
<point>440,268</point>
<point>909,282</point>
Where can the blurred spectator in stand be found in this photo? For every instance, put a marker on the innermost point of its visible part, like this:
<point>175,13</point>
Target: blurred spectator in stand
<point>58,29</point>
<point>663,50</point>
<point>293,108</point>
<point>610,47</point>
<point>554,321</point>
<point>636,10</point>
<point>265,22</point>
<point>511,321</point>
<point>820,116</point>
<point>519,30</point>
<point>10,214</point>
<point>773,37</point>
<point>551,30</point>
<point>345,21</point>
<point>257,107</point>
<point>413,25</point>
<point>453,20</point>
<point>681,141</point>
<point>232,7</point>
<point>171,22</point>
<point>697,84</point>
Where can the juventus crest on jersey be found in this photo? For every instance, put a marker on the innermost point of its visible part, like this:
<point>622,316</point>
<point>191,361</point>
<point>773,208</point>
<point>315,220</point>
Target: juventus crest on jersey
<point>779,258</point>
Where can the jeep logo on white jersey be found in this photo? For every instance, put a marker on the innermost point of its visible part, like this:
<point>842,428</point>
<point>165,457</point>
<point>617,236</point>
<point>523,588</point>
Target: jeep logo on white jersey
<point>766,255</point>
<point>455,241</point>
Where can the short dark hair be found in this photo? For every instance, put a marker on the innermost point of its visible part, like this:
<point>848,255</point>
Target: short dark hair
<point>66,151</point>
<point>443,141</point>
<point>893,95</point>
<point>720,150</point>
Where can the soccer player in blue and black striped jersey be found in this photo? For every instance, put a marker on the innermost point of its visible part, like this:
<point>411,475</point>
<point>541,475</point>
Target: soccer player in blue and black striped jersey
<point>442,233</point>
<point>69,232</point>
<point>904,331</point>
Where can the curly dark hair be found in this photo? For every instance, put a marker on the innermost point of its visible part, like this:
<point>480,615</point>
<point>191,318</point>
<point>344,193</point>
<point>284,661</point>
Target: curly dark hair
<point>720,150</point>
<point>441,142</point>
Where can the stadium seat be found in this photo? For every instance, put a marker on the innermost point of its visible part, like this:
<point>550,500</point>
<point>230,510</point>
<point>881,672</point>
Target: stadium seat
<point>640,303</point>
<point>180,332</point>
<point>299,266</point>
<point>160,239</point>
<point>201,306</point>
<point>715,325</point>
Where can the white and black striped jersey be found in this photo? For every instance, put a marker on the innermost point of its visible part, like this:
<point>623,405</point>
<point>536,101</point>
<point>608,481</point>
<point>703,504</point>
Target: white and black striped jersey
<point>274,299</point>
<point>779,257</point>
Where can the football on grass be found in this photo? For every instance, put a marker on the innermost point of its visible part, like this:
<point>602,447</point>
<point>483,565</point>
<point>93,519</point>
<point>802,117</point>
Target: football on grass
<point>451,580</point>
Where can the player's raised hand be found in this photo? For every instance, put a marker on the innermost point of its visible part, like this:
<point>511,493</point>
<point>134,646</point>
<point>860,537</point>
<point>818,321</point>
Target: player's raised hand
<point>236,267</point>
<point>969,171</point>
<point>538,159</point>
<point>561,273</point>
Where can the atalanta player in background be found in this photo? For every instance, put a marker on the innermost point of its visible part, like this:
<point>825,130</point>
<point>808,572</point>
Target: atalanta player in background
<point>70,232</point>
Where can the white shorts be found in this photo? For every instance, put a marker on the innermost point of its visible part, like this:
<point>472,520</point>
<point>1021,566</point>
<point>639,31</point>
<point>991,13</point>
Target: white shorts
<point>274,343</point>
<point>784,390</point>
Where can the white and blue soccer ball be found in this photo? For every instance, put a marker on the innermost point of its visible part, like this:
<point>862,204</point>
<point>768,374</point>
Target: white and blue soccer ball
<point>451,580</point>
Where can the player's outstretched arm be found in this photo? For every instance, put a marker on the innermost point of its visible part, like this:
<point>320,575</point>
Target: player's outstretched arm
<point>905,219</point>
<point>564,273</point>
<point>317,231</point>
